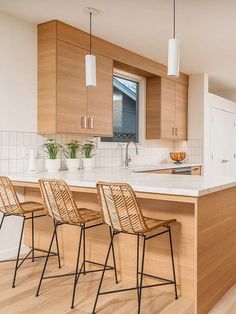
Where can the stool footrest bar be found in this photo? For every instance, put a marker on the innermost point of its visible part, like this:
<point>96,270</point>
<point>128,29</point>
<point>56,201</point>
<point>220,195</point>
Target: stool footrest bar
<point>156,277</point>
<point>135,288</point>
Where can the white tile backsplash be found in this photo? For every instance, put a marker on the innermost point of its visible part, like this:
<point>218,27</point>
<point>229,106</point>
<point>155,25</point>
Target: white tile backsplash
<point>15,148</point>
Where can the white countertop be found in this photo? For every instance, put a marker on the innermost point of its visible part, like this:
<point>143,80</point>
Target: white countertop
<point>141,182</point>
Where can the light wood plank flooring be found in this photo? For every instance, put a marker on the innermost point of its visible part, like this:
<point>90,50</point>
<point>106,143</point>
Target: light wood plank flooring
<point>56,294</point>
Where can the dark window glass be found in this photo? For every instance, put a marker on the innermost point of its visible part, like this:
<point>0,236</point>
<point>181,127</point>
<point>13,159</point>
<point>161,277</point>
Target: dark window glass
<point>125,111</point>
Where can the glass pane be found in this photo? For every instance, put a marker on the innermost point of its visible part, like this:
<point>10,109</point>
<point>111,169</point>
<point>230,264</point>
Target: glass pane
<point>125,111</point>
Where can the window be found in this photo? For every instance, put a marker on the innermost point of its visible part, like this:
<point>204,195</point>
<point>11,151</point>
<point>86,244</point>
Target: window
<point>125,110</point>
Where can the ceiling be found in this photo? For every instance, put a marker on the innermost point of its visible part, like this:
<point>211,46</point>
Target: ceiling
<point>206,29</point>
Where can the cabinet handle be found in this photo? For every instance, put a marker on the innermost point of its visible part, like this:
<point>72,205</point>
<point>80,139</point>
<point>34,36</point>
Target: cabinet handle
<point>91,122</point>
<point>83,122</point>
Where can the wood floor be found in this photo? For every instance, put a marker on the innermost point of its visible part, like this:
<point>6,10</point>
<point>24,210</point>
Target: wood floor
<point>55,294</point>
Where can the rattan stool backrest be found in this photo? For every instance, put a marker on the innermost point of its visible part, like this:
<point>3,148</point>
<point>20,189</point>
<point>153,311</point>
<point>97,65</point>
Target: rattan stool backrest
<point>9,202</point>
<point>58,201</point>
<point>120,208</point>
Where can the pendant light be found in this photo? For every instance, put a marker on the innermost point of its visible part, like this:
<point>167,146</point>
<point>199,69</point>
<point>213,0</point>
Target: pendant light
<point>90,60</point>
<point>173,51</point>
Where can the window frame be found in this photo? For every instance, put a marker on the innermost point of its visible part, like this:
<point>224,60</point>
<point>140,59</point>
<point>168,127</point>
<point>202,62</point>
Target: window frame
<point>141,114</point>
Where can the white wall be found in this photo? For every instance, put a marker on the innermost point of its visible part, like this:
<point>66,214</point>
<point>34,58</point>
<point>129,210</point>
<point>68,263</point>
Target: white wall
<point>201,103</point>
<point>18,75</point>
<point>227,93</point>
<point>18,61</point>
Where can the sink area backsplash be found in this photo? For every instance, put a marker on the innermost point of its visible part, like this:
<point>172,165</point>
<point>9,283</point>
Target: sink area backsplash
<point>15,148</point>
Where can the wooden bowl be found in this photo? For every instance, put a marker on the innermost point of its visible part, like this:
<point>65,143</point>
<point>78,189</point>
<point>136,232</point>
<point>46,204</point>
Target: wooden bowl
<point>177,157</point>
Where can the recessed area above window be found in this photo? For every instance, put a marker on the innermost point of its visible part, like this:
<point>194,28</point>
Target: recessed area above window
<point>125,110</point>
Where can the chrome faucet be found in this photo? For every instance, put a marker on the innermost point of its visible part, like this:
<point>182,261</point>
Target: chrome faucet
<point>127,157</point>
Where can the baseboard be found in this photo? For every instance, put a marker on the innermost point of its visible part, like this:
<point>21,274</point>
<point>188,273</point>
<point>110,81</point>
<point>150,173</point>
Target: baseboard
<point>12,253</point>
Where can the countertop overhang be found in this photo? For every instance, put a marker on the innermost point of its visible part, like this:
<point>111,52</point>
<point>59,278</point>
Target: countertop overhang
<point>182,185</point>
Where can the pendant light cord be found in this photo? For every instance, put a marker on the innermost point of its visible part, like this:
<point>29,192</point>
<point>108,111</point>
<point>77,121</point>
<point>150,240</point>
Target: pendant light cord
<point>90,33</point>
<point>174,19</point>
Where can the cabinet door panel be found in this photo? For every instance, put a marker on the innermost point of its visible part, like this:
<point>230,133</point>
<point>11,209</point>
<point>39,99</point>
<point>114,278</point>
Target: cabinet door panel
<point>167,109</point>
<point>100,99</point>
<point>71,89</point>
<point>181,111</point>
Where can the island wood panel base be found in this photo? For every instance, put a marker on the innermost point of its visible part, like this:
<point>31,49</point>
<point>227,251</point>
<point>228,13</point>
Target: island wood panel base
<point>216,247</point>
<point>204,240</point>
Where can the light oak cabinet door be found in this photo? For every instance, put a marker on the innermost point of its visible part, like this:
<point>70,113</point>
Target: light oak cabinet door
<point>181,111</point>
<point>168,100</point>
<point>100,99</point>
<point>166,109</point>
<point>71,89</point>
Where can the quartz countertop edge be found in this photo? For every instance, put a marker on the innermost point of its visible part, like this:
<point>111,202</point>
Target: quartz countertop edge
<point>164,166</point>
<point>181,185</point>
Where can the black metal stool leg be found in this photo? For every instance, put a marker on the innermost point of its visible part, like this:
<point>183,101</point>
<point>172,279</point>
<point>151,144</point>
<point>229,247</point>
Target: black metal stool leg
<point>141,279</point>
<point>84,253</point>
<point>57,245</point>
<point>113,255</point>
<point>32,231</point>
<point>173,263</point>
<point>46,261</point>
<point>77,266</point>
<point>103,272</point>
<point>3,216</point>
<point>137,274</point>
<point>18,253</point>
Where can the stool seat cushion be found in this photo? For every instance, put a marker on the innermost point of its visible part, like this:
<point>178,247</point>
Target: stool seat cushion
<point>29,207</point>
<point>88,214</point>
<point>156,223</point>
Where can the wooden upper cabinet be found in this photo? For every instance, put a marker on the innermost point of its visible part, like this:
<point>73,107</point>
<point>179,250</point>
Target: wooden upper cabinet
<point>168,96</point>
<point>100,99</point>
<point>71,89</point>
<point>166,109</point>
<point>181,111</point>
<point>65,104</point>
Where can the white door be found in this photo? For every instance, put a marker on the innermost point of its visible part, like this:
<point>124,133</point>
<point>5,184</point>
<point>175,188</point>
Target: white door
<point>223,143</point>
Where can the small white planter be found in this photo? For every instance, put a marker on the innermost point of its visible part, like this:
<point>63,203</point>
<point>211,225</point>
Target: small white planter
<point>72,164</point>
<point>89,163</point>
<point>53,165</point>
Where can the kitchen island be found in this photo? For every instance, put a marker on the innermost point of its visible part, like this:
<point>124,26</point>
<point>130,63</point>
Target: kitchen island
<point>204,235</point>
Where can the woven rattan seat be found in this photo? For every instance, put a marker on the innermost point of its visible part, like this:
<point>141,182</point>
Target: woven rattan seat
<point>120,209</point>
<point>156,223</point>
<point>88,215</point>
<point>60,205</point>
<point>9,202</point>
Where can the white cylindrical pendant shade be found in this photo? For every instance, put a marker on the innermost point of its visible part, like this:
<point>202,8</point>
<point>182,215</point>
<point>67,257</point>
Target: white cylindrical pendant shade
<point>173,57</point>
<point>90,70</point>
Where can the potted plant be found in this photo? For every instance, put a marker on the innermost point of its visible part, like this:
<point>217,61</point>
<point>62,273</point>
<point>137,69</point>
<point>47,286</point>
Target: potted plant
<point>88,153</point>
<point>70,151</point>
<point>52,149</point>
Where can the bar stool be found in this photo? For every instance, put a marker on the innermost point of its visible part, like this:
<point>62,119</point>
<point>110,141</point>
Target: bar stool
<point>121,211</point>
<point>11,206</point>
<point>60,205</point>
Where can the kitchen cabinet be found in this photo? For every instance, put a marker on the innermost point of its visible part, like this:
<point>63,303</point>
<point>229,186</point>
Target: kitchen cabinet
<point>65,104</point>
<point>166,109</point>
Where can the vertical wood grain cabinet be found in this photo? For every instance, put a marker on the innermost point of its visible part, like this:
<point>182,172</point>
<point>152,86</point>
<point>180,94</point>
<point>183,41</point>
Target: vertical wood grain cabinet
<point>65,104</point>
<point>166,109</point>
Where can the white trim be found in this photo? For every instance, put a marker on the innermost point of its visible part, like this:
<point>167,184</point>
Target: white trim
<point>12,252</point>
<point>142,109</point>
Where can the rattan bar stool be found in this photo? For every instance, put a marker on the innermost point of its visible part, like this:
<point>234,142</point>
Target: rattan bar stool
<point>60,205</point>
<point>121,211</point>
<point>11,206</point>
